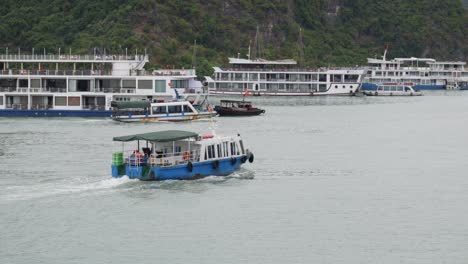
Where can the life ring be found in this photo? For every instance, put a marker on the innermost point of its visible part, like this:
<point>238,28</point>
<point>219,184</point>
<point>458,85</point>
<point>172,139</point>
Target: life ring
<point>216,164</point>
<point>233,161</point>
<point>251,158</point>
<point>190,166</point>
<point>186,155</point>
<point>210,109</point>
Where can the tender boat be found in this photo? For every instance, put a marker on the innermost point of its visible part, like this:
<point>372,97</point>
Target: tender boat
<point>394,89</point>
<point>145,111</point>
<point>237,108</point>
<point>179,155</point>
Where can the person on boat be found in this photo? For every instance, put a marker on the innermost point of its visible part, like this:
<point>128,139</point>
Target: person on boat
<point>136,156</point>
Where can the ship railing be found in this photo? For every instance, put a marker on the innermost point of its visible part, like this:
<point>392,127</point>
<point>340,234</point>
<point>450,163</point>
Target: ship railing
<point>71,57</point>
<point>292,70</point>
<point>7,89</point>
<point>41,107</point>
<point>94,107</point>
<point>55,72</point>
<point>175,72</point>
<point>17,106</point>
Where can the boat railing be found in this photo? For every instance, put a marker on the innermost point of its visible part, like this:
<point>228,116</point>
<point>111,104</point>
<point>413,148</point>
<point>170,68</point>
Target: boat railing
<point>17,106</point>
<point>94,107</point>
<point>41,107</point>
<point>161,159</point>
<point>56,73</point>
<point>173,159</point>
<point>71,57</point>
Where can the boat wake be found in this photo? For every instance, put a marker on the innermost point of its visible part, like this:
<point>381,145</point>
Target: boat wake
<point>16,192</point>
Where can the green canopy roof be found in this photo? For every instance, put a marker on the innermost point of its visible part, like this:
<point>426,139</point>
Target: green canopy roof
<point>161,136</point>
<point>131,104</point>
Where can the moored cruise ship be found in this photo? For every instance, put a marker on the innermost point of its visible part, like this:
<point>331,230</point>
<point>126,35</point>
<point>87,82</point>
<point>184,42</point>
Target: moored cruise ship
<point>422,73</point>
<point>83,85</point>
<point>282,77</point>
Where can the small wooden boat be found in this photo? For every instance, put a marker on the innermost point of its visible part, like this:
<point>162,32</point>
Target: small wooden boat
<point>237,108</point>
<point>179,155</point>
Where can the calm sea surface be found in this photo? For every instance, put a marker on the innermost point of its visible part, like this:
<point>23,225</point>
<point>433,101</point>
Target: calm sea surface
<point>335,180</point>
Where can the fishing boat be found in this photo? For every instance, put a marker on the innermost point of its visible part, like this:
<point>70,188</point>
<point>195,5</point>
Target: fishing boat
<point>394,89</point>
<point>179,155</point>
<point>237,108</point>
<point>172,111</point>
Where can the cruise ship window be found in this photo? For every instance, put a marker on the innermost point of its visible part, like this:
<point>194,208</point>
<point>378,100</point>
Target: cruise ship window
<point>1,100</point>
<point>160,86</point>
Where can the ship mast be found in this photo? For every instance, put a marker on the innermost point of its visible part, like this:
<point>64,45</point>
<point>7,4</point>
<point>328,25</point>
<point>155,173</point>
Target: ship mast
<point>300,45</point>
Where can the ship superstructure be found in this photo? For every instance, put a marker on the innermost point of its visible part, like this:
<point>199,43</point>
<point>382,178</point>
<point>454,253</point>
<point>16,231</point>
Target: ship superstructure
<point>83,85</point>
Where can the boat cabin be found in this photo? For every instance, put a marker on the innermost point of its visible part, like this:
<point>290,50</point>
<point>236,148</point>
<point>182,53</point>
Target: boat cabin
<point>174,147</point>
<point>236,103</point>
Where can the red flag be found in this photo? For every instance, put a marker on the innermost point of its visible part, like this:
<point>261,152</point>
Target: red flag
<point>246,93</point>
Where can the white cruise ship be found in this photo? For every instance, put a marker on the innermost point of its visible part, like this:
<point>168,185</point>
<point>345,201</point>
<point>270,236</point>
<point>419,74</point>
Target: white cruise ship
<point>282,77</point>
<point>422,73</point>
<point>83,85</point>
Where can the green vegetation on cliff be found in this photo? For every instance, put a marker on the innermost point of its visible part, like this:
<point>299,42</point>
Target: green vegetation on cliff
<point>335,32</point>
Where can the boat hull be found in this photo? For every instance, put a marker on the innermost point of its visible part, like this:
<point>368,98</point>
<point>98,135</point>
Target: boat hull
<point>373,87</point>
<point>199,170</point>
<point>225,111</point>
<point>375,93</point>
<point>163,118</point>
<point>54,113</point>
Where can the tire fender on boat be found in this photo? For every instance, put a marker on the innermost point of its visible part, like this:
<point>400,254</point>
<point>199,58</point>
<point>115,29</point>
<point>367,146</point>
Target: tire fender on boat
<point>244,159</point>
<point>233,161</point>
<point>251,158</point>
<point>216,164</point>
<point>190,166</point>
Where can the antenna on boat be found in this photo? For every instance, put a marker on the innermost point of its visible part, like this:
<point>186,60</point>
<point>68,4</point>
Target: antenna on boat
<point>385,52</point>
<point>300,44</point>
<point>194,55</point>
<point>248,54</point>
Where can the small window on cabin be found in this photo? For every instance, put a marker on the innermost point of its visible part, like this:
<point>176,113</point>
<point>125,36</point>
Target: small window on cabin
<point>159,109</point>
<point>187,109</point>
<point>393,88</point>
<point>173,109</point>
<point>218,147</point>
<point>233,149</point>
<point>225,145</point>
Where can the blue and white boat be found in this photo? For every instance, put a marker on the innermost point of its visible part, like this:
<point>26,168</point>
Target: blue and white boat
<point>178,155</point>
<point>424,73</point>
<point>172,111</point>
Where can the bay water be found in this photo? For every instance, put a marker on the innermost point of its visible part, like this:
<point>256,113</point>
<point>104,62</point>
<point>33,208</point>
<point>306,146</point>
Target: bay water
<point>335,180</point>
